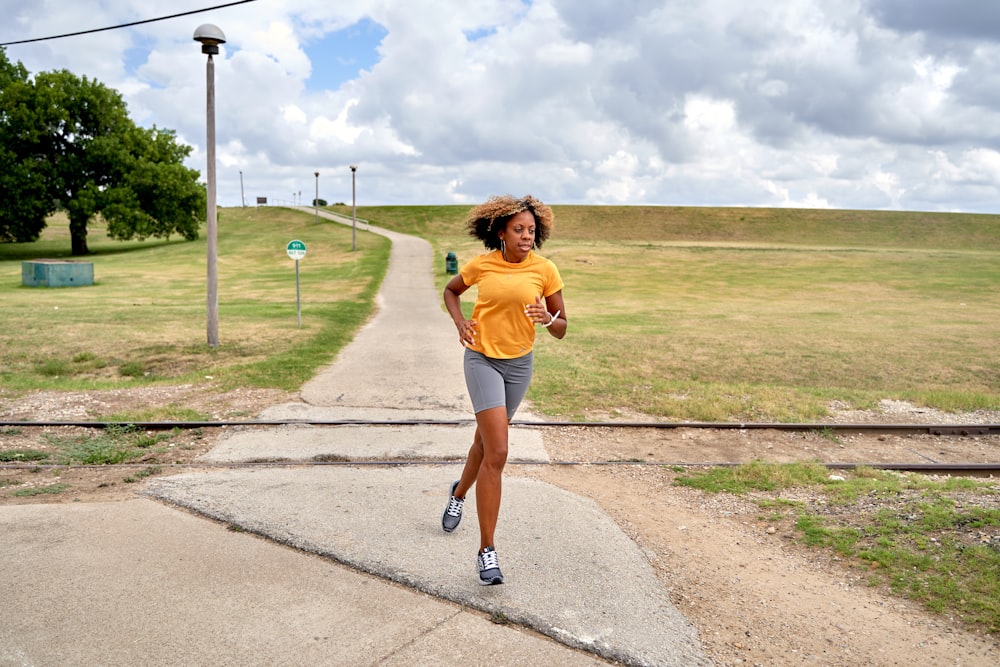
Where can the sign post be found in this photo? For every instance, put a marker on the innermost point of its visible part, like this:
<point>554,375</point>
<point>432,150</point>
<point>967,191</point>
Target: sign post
<point>297,250</point>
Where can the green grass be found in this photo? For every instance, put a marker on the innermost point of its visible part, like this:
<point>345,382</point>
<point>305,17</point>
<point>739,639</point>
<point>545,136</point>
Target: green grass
<point>927,540</point>
<point>756,476</point>
<point>711,314</point>
<point>144,319</point>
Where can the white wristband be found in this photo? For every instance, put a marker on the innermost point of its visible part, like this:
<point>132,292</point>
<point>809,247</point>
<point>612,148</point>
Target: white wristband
<point>549,323</point>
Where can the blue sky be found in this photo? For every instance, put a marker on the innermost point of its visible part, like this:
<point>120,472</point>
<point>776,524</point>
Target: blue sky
<point>863,104</point>
<point>340,56</point>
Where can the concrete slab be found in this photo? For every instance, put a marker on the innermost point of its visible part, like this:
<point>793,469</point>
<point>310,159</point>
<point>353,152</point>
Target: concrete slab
<point>140,583</point>
<point>572,574</point>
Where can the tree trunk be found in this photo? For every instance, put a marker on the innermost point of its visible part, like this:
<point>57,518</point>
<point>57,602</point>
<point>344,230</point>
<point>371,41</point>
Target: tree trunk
<point>78,234</point>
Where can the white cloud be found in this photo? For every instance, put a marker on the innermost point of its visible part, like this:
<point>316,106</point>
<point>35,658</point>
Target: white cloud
<point>858,104</point>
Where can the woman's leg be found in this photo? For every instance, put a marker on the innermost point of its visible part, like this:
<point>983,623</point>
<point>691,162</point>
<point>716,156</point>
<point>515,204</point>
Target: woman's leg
<point>471,470</point>
<point>490,383</point>
<point>491,431</point>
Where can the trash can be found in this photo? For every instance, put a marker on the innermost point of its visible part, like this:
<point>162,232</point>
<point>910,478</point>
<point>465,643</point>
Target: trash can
<point>451,264</point>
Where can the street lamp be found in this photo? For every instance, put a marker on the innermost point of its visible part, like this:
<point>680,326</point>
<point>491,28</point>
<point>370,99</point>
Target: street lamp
<point>210,37</point>
<point>316,199</point>
<point>354,211</point>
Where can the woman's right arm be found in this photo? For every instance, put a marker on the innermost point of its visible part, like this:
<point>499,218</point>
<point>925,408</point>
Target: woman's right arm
<point>453,302</point>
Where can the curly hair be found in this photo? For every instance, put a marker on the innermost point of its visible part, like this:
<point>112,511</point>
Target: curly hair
<point>489,218</point>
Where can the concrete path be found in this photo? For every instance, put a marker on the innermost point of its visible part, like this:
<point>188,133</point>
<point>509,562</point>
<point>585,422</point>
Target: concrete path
<point>139,582</point>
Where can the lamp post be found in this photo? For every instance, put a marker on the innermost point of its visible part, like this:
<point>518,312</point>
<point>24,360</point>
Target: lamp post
<point>354,210</point>
<point>243,197</point>
<point>210,37</point>
<point>316,199</point>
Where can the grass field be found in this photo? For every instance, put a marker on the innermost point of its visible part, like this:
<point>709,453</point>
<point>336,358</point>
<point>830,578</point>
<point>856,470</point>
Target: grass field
<point>758,314</point>
<point>144,320</point>
<point>680,313</point>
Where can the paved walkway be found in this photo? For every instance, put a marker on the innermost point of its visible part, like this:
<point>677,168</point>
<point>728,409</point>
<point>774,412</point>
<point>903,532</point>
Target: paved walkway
<point>145,582</point>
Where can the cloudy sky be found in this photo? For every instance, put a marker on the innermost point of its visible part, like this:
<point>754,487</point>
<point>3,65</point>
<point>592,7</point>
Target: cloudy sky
<point>865,104</point>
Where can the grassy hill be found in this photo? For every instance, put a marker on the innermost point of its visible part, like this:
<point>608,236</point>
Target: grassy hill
<point>688,224</point>
<point>713,314</point>
<point>757,314</point>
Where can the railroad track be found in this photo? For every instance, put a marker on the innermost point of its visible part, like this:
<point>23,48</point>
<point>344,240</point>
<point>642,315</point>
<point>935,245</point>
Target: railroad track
<point>900,429</point>
<point>944,430</point>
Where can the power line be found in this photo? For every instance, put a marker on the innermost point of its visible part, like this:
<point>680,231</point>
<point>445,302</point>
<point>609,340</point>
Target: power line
<point>127,25</point>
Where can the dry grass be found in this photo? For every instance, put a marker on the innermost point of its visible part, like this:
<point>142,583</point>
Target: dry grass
<point>758,314</point>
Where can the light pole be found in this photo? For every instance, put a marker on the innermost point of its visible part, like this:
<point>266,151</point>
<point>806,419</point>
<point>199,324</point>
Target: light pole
<point>210,37</point>
<point>354,210</point>
<point>316,199</point>
<point>243,197</point>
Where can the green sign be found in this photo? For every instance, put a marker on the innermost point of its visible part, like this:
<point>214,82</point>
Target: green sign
<point>296,250</point>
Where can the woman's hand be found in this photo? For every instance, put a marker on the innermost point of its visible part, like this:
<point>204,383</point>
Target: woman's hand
<point>550,314</point>
<point>537,313</point>
<point>467,332</point>
<point>452,300</point>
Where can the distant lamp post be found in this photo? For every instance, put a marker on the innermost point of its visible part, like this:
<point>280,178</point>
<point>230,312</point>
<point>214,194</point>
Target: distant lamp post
<point>210,37</point>
<point>354,210</point>
<point>316,199</point>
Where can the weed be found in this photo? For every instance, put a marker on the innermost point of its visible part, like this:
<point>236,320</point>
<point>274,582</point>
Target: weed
<point>99,451</point>
<point>499,618</point>
<point>17,455</point>
<point>41,490</point>
<point>132,369</point>
<point>829,434</point>
<point>54,368</point>
<point>142,474</point>
<point>117,443</point>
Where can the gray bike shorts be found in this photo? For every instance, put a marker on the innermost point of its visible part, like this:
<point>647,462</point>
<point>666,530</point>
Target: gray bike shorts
<point>495,382</point>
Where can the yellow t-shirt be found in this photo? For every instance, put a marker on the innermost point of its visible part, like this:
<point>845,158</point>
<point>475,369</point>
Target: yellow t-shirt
<point>504,331</point>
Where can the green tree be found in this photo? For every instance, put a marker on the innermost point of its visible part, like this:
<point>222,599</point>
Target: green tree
<point>24,202</point>
<point>70,144</point>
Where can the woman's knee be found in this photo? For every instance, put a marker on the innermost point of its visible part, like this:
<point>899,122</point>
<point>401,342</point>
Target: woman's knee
<point>495,456</point>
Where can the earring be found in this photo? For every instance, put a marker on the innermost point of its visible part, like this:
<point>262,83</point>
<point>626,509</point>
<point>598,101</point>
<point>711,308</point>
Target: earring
<point>503,249</point>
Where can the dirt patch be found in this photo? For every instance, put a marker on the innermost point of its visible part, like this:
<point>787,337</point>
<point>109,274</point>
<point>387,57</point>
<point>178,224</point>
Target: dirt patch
<point>27,483</point>
<point>756,595</point>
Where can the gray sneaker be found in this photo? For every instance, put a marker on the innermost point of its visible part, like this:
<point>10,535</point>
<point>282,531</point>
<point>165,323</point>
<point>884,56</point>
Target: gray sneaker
<point>453,512</point>
<point>489,567</point>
